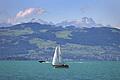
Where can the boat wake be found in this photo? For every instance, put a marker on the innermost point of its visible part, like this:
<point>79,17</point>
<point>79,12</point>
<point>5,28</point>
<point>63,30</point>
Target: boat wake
<point>76,62</point>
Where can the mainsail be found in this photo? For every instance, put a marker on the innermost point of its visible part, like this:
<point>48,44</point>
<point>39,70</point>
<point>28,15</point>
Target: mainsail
<point>60,55</point>
<point>57,58</point>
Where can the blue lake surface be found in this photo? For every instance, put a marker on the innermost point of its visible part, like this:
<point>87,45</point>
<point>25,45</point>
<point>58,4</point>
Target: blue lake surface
<point>33,70</point>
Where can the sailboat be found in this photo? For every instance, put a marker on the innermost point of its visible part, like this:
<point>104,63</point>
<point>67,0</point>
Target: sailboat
<point>57,61</point>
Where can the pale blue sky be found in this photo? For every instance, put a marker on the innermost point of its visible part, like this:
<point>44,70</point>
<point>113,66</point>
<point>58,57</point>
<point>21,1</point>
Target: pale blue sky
<point>102,11</point>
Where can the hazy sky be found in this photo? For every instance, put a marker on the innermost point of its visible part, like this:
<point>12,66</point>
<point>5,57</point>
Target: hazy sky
<point>102,11</point>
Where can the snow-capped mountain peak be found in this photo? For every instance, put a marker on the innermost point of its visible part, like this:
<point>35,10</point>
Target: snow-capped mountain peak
<point>40,21</point>
<point>84,22</point>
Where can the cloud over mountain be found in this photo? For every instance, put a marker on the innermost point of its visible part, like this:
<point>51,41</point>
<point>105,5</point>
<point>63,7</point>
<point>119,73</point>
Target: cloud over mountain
<point>26,13</point>
<point>30,11</point>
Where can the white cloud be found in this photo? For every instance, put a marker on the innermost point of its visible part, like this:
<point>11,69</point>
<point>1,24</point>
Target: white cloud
<point>26,13</point>
<point>29,11</point>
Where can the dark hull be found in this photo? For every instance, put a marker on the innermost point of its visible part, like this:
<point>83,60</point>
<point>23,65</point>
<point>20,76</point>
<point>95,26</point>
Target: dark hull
<point>61,66</point>
<point>41,61</point>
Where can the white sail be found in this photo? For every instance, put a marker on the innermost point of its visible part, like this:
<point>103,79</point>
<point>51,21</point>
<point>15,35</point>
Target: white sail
<point>57,58</point>
<point>60,56</point>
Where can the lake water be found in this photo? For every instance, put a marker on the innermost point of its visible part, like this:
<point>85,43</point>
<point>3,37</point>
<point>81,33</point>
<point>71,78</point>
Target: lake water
<point>33,70</point>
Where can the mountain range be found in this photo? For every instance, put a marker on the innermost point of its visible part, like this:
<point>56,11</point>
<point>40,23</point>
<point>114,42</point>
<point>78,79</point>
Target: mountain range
<point>5,24</point>
<point>84,22</point>
<point>84,40</point>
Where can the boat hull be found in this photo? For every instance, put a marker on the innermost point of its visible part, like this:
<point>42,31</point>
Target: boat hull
<point>41,61</point>
<point>61,66</point>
